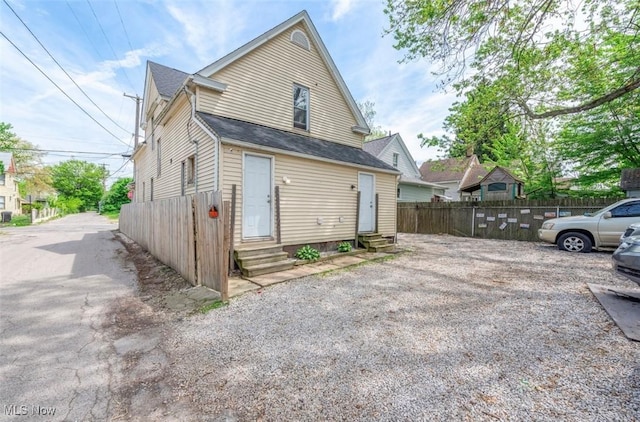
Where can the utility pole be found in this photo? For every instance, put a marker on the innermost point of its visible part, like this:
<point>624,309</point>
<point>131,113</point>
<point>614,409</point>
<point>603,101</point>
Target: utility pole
<point>137,129</point>
<point>104,177</point>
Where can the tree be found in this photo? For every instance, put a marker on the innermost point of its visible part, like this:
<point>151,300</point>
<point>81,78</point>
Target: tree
<point>368,111</point>
<point>80,180</point>
<point>116,196</point>
<point>33,178</point>
<point>541,53</point>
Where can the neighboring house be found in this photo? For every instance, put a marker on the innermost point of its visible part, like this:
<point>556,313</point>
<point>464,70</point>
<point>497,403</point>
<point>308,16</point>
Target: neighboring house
<point>453,174</point>
<point>9,195</point>
<point>274,123</point>
<point>411,188</point>
<point>630,182</point>
<point>497,185</point>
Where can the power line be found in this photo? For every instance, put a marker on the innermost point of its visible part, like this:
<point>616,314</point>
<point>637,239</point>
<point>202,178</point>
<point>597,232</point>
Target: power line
<point>70,151</point>
<point>60,66</point>
<point>124,28</point>
<point>109,43</point>
<point>62,90</point>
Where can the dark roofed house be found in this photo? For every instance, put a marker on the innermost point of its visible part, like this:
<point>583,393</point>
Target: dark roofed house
<point>630,182</point>
<point>454,173</point>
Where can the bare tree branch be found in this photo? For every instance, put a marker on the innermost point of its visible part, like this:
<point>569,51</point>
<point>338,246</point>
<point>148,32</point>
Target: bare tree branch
<point>625,89</point>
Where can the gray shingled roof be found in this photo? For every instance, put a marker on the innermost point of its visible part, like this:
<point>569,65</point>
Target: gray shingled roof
<point>286,141</point>
<point>167,79</point>
<point>376,146</point>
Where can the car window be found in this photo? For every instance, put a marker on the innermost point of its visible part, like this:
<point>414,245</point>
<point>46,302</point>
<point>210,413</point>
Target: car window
<point>630,209</point>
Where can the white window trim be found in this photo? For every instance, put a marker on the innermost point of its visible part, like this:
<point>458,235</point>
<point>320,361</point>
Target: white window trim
<point>308,123</point>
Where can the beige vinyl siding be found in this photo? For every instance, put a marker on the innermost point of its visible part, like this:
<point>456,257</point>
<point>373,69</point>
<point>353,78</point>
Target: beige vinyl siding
<point>317,190</point>
<point>386,186</point>
<point>153,96</point>
<point>176,147</point>
<point>260,90</point>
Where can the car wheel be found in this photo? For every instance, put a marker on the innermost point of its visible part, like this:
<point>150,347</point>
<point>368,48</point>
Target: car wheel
<point>574,242</point>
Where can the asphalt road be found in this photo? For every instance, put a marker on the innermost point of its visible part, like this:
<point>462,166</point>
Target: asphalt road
<point>56,282</point>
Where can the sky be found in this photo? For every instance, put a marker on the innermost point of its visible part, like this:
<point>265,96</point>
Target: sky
<point>96,50</point>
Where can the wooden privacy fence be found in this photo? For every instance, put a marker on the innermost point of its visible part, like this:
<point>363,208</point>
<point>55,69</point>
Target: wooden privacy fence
<point>508,220</point>
<point>180,233</point>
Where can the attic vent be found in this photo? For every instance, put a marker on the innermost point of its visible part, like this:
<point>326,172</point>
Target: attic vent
<point>299,38</point>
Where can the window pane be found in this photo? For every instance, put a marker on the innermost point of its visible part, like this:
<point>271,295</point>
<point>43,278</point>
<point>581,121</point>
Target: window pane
<point>493,187</point>
<point>300,107</point>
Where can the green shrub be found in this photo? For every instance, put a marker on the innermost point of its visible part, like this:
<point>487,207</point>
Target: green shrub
<point>344,247</point>
<point>20,220</point>
<point>308,253</point>
<point>70,205</point>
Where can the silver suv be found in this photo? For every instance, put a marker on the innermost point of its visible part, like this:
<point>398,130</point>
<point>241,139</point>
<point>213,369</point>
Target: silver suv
<point>600,229</point>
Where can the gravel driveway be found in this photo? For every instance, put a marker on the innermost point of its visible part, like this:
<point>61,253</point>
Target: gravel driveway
<point>462,329</point>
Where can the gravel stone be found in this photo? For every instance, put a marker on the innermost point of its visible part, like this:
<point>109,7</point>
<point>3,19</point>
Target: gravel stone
<point>458,328</point>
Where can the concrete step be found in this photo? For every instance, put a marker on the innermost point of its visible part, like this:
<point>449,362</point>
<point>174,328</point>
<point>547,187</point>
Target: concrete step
<point>252,260</point>
<point>268,268</point>
<point>247,251</point>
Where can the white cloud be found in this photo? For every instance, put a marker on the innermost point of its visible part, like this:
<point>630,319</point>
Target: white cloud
<point>209,27</point>
<point>340,8</point>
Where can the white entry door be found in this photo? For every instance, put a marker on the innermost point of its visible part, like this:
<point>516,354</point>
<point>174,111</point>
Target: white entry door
<point>257,196</point>
<point>366,218</point>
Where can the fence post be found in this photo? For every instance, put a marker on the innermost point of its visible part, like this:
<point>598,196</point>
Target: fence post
<point>473,221</point>
<point>224,276</point>
<point>417,211</point>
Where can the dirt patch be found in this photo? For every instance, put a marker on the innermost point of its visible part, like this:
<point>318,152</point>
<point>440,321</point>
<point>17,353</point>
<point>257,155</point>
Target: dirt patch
<point>138,326</point>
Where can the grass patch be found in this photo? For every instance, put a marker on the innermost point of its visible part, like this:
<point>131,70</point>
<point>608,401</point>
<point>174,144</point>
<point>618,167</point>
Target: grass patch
<point>213,305</point>
<point>112,215</point>
<point>18,221</point>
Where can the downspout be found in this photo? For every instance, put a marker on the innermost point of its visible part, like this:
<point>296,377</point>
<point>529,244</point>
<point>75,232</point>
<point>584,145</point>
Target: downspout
<point>194,141</point>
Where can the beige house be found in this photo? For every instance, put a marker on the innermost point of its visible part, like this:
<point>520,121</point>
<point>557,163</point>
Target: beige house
<point>9,195</point>
<point>272,126</point>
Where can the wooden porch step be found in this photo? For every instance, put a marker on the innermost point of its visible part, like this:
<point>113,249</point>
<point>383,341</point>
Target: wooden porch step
<point>374,242</point>
<point>248,251</point>
<point>271,267</point>
<point>252,260</point>
<point>382,248</point>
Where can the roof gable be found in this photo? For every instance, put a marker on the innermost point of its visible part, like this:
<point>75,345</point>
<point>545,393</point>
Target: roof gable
<point>380,148</point>
<point>304,19</point>
<point>166,79</point>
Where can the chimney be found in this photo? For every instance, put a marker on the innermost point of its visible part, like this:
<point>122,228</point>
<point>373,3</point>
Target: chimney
<point>469,150</point>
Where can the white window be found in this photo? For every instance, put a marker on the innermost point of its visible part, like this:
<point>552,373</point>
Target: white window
<point>2,179</point>
<point>1,202</point>
<point>151,190</point>
<point>395,159</point>
<point>191,170</point>
<point>159,158</point>
<point>301,107</point>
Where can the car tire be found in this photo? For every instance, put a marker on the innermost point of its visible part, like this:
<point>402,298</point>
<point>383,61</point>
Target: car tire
<point>574,242</point>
